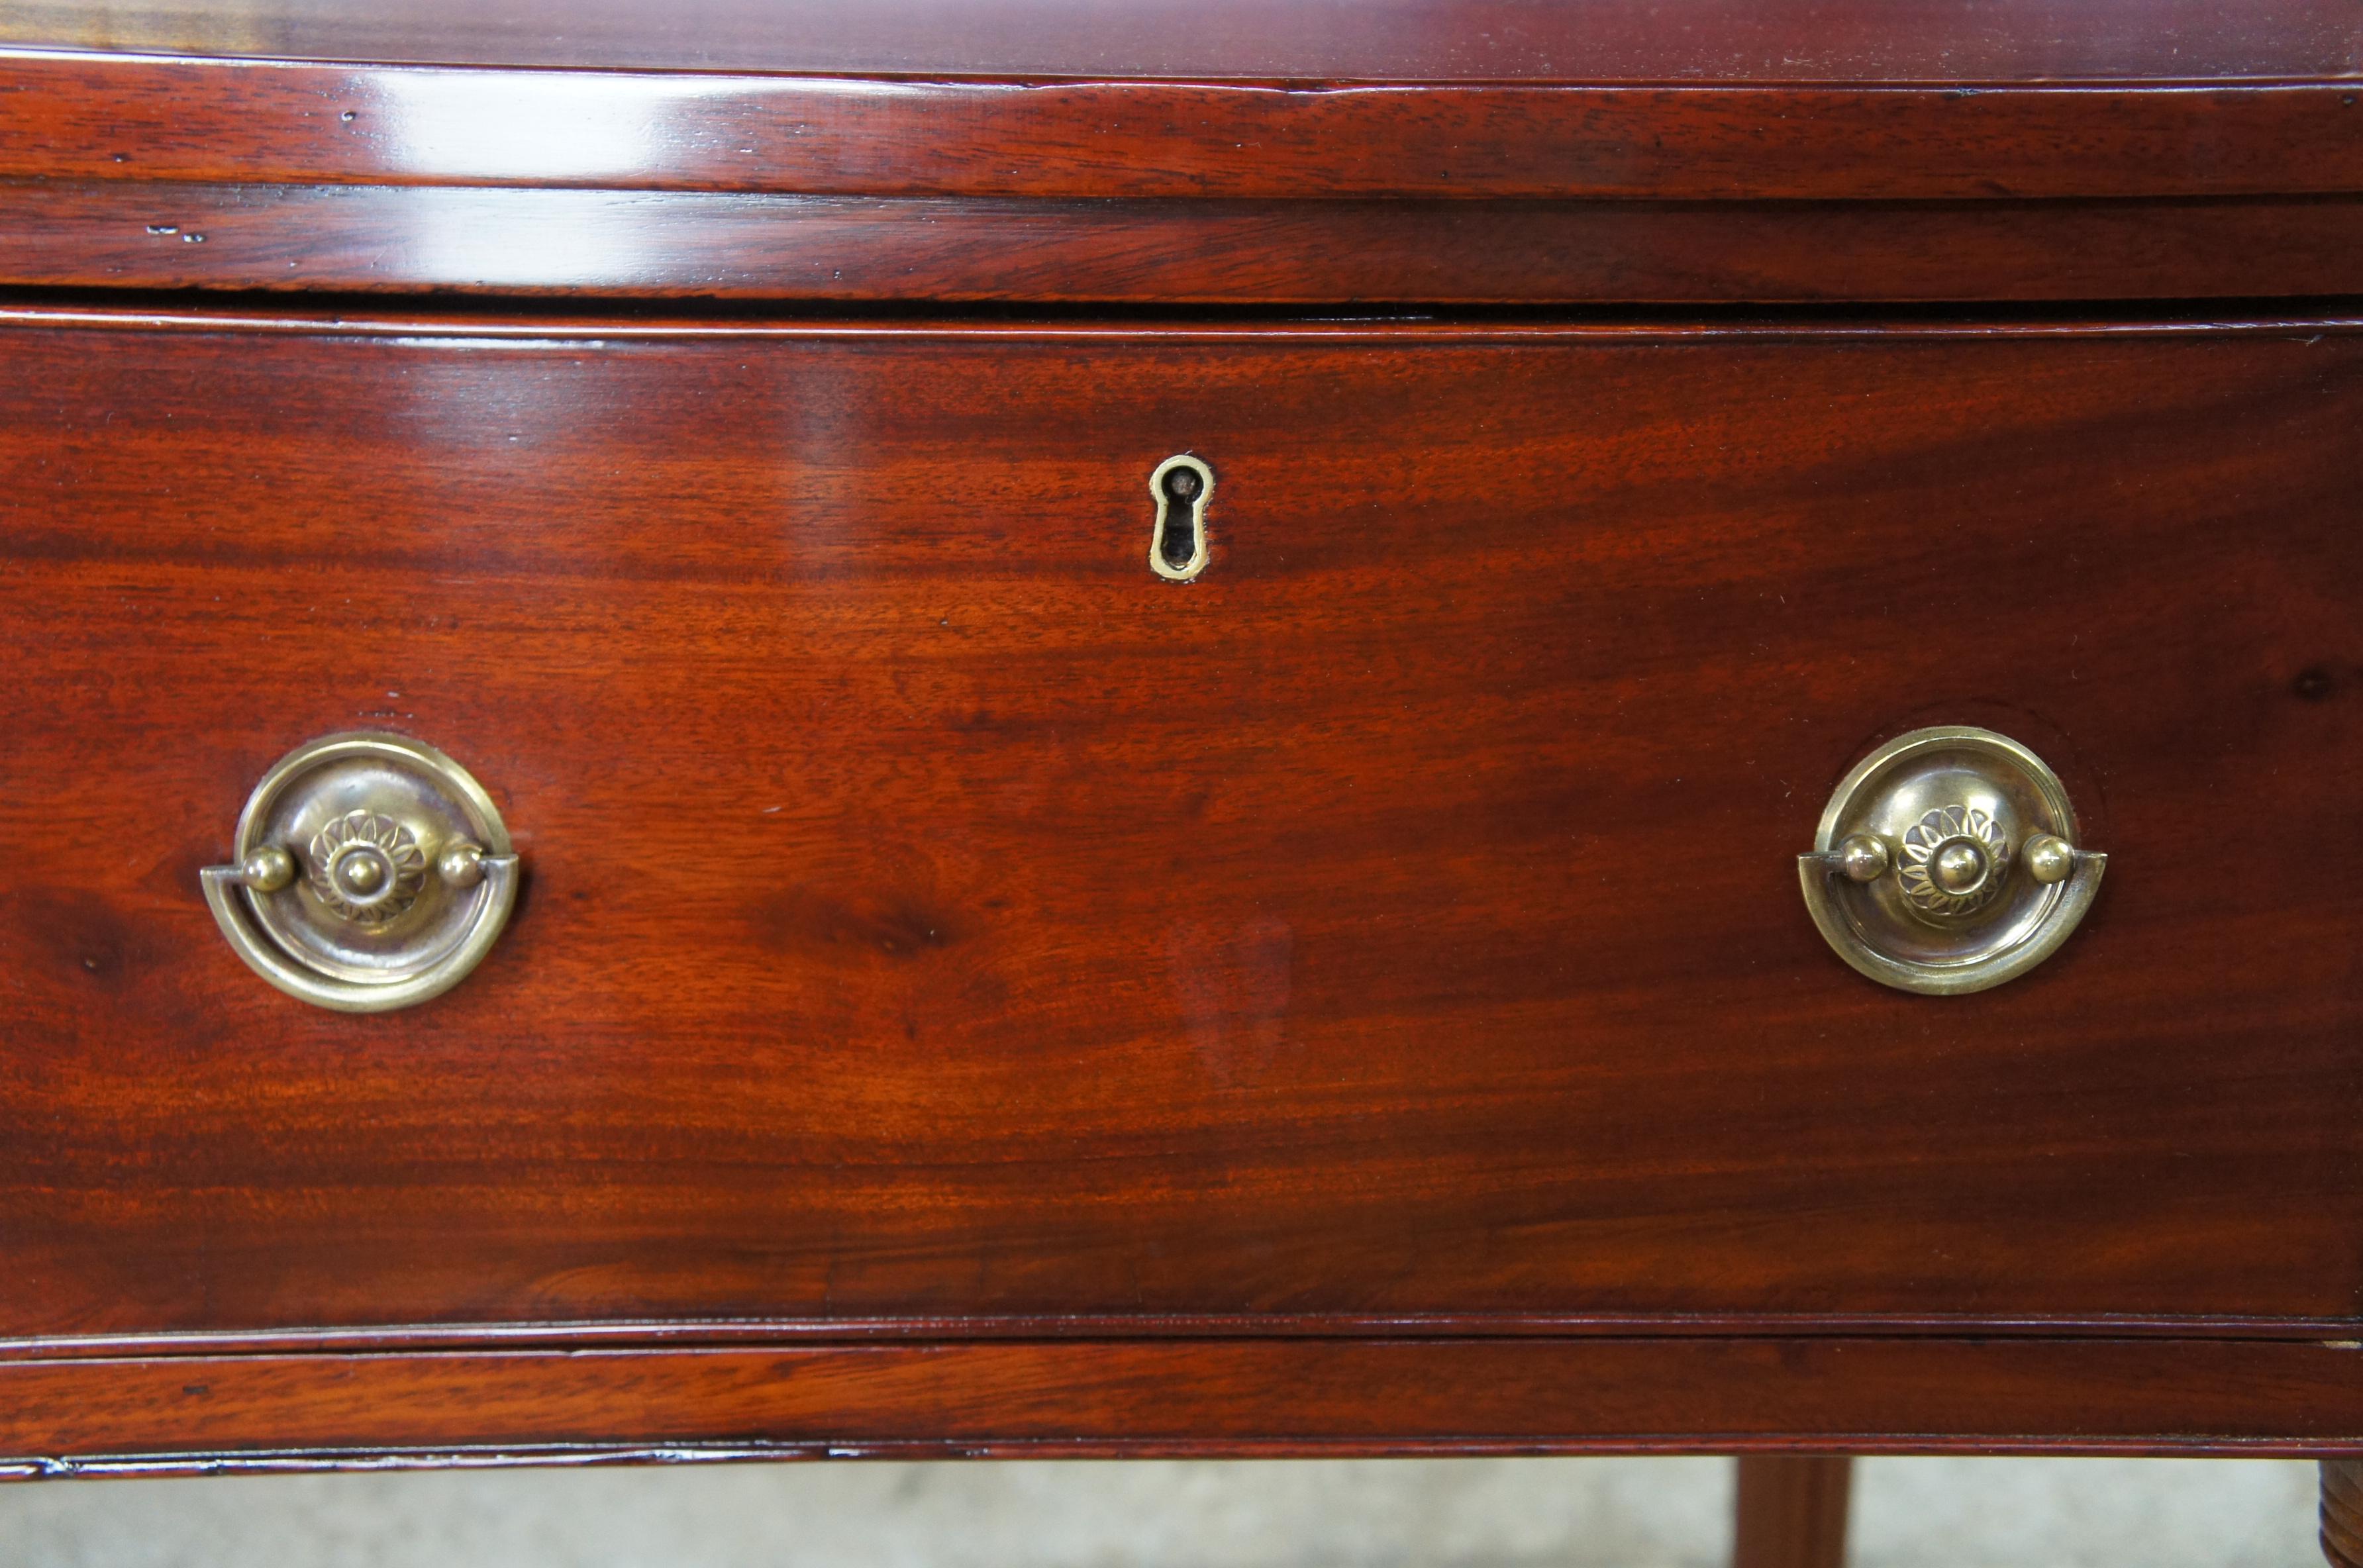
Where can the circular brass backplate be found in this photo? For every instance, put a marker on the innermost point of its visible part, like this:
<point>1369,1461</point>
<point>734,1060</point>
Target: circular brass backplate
<point>1956,909</point>
<point>369,920</point>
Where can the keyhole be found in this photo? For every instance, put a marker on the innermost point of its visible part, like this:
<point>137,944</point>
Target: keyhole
<point>1181,485</point>
<point>1180,528</point>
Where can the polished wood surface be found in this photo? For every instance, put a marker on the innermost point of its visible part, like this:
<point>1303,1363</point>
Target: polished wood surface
<point>971,996</point>
<point>1606,154</point>
<point>1242,1398</point>
<point>2342,1512</point>
<point>933,915</point>
<point>1777,40</point>
<point>1790,1511</point>
<point>703,244</point>
<point>102,117</point>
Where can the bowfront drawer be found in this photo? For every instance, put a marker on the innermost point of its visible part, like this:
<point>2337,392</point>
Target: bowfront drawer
<point>923,906</point>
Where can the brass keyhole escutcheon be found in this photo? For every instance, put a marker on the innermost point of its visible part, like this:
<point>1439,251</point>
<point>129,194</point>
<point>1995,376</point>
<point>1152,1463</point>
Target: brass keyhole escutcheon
<point>370,872</point>
<point>1947,862</point>
<point>1177,542</point>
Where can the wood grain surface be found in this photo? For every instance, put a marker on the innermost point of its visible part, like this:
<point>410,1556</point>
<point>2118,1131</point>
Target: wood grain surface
<point>1989,170</point>
<point>174,1414</point>
<point>934,915</point>
<point>1614,41</point>
<point>78,116</point>
<point>1790,1511</point>
<point>705,244</point>
<point>2342,1512</point>
<point>972,995</point>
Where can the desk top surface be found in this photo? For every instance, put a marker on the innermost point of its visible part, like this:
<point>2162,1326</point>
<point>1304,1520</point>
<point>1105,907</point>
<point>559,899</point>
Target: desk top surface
<point>1753,41</point>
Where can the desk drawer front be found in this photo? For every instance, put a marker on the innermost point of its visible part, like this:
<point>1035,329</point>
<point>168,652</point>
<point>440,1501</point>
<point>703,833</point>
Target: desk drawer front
<point>929,910</point>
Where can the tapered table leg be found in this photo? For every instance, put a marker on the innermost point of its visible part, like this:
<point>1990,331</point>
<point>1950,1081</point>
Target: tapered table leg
<point>1792,1513</point>
<point>2342,1512</point>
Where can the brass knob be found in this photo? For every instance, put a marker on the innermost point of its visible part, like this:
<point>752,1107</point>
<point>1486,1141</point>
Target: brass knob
<point>370,872</point>
<point>1947,862</point>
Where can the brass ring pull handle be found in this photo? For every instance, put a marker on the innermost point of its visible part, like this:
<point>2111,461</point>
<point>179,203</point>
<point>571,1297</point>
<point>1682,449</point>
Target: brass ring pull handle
<point>1947,862</point>
<point>370,873</point>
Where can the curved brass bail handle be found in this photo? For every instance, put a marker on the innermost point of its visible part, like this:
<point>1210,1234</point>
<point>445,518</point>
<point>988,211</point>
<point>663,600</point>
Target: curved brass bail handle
<point>372,873</point>
<point>264,957</point>
<point>1947,863</point>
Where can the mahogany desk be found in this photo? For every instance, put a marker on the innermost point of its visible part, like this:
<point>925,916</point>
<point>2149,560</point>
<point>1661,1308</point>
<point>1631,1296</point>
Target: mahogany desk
<point>1073,728</point>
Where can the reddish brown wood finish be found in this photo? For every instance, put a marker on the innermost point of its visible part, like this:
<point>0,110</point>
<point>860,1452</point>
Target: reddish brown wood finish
<point>168,235</point>
<point>95,118</point>
<point>2342,1512</point>
<point>1776,41</point>
<point>1791,1511</point>
<point>971,996</point>
<point>1247,1399</point>
<point>933,915</point>
<point>1670,165</point>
